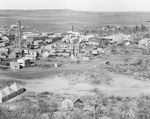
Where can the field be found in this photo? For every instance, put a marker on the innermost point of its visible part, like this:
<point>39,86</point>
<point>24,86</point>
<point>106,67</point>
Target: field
<point>62,20</point>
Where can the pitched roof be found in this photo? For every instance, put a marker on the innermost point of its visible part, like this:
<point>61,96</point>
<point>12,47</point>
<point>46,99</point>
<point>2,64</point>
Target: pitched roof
<point>15,86</point>
<point>74,97</point>
<point>7,90</point>
<point>1,94</point>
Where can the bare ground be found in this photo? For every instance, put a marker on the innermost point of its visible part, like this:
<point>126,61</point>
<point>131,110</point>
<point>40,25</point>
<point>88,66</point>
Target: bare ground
<point>72,79</point>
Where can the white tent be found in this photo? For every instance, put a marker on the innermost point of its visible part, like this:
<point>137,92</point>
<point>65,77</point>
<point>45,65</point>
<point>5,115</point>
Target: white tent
<point>7,90</point>
<point>1,95</point>
<point>15,86</point>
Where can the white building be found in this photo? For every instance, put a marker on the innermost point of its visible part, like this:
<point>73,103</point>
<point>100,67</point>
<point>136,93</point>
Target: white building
<point>24,61</point>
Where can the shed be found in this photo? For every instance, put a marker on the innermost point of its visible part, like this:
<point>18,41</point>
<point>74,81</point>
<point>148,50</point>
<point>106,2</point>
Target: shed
<point>14,65</point>
<point>24,61</point>
<point>77,101</point>
<point>67,104</point>
<point>72,101</point>
<point>86,58</point>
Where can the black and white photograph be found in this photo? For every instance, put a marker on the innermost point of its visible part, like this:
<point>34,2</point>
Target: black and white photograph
<point>74,59</point>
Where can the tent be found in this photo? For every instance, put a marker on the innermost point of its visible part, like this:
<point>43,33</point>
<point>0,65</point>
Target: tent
<point>15,86</point>
<point>7,90</point>
<point>1,96</point>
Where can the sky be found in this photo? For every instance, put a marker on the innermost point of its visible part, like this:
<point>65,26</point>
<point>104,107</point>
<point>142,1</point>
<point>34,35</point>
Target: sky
<point>86,5</point>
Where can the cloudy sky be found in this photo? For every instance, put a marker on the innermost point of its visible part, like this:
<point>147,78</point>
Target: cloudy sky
<point>88,5</point>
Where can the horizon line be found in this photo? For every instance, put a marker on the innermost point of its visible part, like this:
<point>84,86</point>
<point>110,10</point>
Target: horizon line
<point>71,10</point>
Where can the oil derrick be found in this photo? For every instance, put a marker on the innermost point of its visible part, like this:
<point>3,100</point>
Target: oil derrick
<point>18,34</point>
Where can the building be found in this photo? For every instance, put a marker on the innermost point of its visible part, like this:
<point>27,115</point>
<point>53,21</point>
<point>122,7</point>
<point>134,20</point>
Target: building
<point>86,38</point>
<point>48,41</point>
<point>24,61</point>
<point>72,102</point>
<point>94,41</point>
<point>86,58</point>
<point>73,34</point>
<point>67,104</point>
<point>14,65</point>
<point>38,43</point>
<point>118,38</point>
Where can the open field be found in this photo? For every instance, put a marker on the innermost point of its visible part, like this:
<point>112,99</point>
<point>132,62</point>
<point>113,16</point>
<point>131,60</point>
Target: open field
<point>61,20</point>
<point>84,78</point>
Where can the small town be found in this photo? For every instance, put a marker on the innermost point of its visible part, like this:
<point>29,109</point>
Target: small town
<point>74,59</point>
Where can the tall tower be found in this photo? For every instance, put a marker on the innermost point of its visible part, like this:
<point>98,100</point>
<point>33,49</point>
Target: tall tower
<point>18,34</point>
<point>72,28</point>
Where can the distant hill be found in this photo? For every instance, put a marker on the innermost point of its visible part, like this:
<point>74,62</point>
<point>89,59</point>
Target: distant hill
<point>48,12</point>
<point>62,19</point>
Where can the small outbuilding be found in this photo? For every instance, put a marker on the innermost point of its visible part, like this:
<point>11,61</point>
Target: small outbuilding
<point>86,58</point>
<point>72,102</point>
<point>24,61</point>
<point>14,65</point>
<point>67,104</point>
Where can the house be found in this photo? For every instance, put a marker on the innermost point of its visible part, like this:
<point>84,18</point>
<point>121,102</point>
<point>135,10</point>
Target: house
<point>66,38</point>
<point>73,34</point>
<point>144,43</point>
<point>86,58</point>
<point>46,34</point>
<point>94,41</point>
<point>38,43</point>
<point>30,57</point>
<point>67,104</point>
<point>14,65</point>
<point>86,38</point>
<point>72,102</point>
<point>56,39</point>
<point>118,38</point>
<point>31,39</point>
<point>48,41</point>
<point>77,101</point>
<point>24,61</point>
